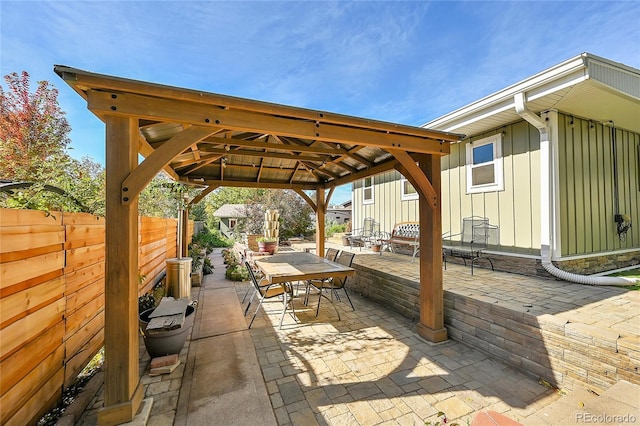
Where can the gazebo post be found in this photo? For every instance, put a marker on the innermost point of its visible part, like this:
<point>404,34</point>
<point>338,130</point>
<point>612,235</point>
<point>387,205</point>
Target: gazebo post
<point>431,325</point>
<point>321,209</point>
<point>123,393</point>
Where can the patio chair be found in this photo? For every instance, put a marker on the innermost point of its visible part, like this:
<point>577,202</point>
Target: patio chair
<point>331,254</point>
<point>363,237</point>
<point>332,284</point>
<point>262,282</point>
<point>279,290</point>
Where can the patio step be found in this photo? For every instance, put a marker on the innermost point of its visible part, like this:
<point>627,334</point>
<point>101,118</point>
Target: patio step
<point>619,404</point>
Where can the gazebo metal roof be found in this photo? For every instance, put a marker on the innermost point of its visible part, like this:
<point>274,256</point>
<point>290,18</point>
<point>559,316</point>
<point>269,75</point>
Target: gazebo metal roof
<point>242,142</point>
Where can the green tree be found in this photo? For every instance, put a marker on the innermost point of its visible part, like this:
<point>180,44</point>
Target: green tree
<point>295,213</point>
<point>198,212</point>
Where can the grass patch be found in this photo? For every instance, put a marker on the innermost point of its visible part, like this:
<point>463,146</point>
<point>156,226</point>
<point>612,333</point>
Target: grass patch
<point>630,273</point>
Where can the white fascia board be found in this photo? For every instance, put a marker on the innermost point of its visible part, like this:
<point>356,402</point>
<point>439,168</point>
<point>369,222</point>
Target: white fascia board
<point>473,116</point>
<point>561,83</point>
<point>569,72</point>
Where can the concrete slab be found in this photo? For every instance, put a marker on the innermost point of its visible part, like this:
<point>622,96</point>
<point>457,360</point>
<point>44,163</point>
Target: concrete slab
<point>625,392</point>
<point>218,313</point>
<point>223,384</point>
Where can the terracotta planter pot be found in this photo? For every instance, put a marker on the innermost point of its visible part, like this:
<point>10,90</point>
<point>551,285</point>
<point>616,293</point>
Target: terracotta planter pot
<point>267,246</point>
<point>376,248</point>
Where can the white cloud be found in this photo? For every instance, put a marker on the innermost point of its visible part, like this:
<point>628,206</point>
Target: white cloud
<point>405,62</point>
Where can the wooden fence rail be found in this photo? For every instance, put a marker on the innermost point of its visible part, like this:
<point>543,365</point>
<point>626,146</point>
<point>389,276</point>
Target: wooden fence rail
<point>52,300</point>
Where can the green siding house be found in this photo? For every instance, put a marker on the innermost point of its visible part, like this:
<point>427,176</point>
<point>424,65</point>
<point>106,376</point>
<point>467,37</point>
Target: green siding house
<point>553,161</point>
<point>229,216</point>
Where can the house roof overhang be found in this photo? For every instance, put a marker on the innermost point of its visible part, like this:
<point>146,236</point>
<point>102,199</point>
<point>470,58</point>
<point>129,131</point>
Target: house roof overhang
<point>586,86</point>
<point>218,140</point>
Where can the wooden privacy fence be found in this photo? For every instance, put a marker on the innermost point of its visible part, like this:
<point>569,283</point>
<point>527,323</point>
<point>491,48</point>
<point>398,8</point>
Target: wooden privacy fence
<point>52,300</point>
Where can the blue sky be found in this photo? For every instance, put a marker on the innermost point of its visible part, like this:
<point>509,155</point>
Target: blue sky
<point>397,61</point>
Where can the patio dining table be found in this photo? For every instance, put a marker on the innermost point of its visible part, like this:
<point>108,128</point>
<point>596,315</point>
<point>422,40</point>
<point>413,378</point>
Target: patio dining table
<point>300,266</point>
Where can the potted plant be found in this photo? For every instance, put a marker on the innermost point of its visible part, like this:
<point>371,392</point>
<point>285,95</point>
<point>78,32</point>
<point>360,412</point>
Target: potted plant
<point>267,244</point>
<point>163,342</point>
<point>197,253</point>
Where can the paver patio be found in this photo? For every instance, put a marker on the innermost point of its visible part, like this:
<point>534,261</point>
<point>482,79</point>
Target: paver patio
<point>372,368</point>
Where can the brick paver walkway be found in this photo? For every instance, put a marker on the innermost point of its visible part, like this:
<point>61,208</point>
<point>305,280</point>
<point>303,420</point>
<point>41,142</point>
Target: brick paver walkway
<point>371,368</point>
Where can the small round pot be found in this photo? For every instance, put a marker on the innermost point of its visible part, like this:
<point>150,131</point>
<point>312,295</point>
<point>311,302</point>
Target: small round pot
<point>267,246</point>
<point>166,342</point>
<point>376,248</point>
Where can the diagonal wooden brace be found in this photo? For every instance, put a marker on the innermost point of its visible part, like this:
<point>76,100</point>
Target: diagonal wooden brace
<point>160,158</point>
<point>421,181</point>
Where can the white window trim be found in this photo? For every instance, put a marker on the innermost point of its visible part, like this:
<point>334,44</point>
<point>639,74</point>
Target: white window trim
<point>364,187</point>
<point>496,140</point>
<point>404,196</point>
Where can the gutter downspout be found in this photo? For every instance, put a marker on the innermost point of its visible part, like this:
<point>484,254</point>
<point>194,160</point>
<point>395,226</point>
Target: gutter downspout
<point>546,203</point>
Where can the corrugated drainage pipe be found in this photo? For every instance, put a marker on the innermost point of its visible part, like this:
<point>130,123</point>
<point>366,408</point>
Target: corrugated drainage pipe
<point>546,202</point>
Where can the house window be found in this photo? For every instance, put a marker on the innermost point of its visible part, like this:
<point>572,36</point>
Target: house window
<point>408,191</point>
<point>367,191</point>
<point>232,223</point>
<point>484,165</point>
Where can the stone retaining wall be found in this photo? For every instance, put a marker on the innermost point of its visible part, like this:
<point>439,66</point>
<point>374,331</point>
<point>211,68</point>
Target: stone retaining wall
<point>564,354</point>
<point>533,267</point>
<point>594,265</point>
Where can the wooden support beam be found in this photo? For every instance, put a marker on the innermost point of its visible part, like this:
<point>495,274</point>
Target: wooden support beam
<point>431,325</point>
<point>320,173</point>
<point>248,184</point>
<point>308,199</point>
<point>260,170</point>
<point>122,393</point>
<point>145,149</point>
<point>201,164</point>
<point>380,168</point>
<point>422,184</point>
<point>261,154</point>
<point>202,194</point>
<point>81,81</point>
<point>160,158</point>
<point>327,149</point>
<point>153,108</point>
<point>320,214</point>
<point>311,169</point>
<point>326,202</point>
<point>293,174</point>
<point>179,162</point>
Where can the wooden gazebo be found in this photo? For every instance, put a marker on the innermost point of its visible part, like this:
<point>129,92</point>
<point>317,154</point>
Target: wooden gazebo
<point>215,140</point>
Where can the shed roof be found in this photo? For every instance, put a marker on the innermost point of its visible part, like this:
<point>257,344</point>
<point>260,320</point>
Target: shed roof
<point>231,210</point>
